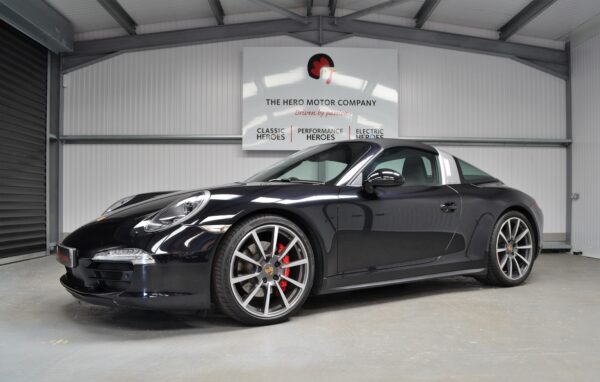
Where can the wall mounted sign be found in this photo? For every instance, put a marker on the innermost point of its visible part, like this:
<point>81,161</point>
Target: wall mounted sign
<point>299,97</point>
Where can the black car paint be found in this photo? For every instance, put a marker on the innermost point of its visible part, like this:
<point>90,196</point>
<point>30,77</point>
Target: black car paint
<point>396,217</point>
<point>138,198</point>
<point>359,239</point>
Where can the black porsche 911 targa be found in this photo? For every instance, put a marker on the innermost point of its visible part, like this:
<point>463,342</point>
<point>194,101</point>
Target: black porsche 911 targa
<point>331,218</point>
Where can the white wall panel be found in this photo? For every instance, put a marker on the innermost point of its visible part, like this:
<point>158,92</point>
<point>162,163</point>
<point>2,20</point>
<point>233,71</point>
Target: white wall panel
<point>585,66</point>
<point>538,171</point>
<point>197,90</point>
<point>95,176</point>
<point>447,93</point>
<point>185,90</point>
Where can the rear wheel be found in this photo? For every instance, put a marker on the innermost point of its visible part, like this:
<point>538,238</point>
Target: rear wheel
<point>512,250</point>
<point>263,270</point>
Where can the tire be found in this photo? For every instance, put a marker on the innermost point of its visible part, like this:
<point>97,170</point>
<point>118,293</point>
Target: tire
<point>263,287</point>
<point>512,251</point>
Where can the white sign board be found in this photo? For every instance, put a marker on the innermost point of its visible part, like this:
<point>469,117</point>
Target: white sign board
<point>299,97</point>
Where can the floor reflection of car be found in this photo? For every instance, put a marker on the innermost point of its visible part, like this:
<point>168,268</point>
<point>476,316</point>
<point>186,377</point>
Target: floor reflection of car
<point>334,217</point>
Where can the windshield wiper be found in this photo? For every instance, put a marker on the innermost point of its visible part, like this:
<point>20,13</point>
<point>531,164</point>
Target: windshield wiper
<point>295,180</point>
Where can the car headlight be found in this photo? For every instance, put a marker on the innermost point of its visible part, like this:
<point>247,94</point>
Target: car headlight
<point>117,204</point>
<point>176,213</point>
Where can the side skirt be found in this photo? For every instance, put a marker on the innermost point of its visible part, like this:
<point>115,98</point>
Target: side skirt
<point>403,280</point>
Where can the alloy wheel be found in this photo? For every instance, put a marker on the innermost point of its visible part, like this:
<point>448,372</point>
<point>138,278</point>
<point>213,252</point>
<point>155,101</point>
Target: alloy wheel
<point>269,271</point>
<point>514,248</point>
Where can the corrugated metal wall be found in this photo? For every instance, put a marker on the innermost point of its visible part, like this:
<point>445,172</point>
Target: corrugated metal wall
<point>197,90</point>
<point>23,81</point>
<point>585,66</point>
<point>187,90</point>
<point>447,93</point>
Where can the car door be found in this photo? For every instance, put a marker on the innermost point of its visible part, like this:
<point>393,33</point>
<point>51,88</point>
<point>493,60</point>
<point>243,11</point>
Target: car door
<point>394,226</point>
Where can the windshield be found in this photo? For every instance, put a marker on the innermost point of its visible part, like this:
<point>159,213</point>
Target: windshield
<point>318,164</point>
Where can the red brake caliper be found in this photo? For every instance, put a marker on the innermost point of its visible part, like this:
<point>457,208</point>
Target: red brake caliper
<point>285,260</point>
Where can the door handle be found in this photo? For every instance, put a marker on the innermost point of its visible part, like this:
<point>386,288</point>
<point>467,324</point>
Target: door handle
<point>448,207</point>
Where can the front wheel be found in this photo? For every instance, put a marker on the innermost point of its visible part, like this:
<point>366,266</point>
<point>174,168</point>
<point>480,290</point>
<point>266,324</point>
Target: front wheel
<point>512,250</point>
<point>264,270</point>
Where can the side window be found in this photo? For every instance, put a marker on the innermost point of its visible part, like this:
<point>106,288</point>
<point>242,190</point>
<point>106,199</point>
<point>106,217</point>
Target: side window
<point>472,174</point>
<point>392,164</point>
<point>418,167</point>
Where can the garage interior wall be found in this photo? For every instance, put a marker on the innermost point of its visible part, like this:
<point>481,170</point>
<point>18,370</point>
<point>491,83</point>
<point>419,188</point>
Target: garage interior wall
<point>585,79</point>
<point>196,90</point>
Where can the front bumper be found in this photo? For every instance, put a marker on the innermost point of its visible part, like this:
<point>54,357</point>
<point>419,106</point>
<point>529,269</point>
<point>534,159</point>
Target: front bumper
<point>170,285</point>
<point>177,278</point>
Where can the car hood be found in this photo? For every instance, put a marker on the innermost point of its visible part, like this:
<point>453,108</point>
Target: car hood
<point>226,201</point>
<point>225,192</point>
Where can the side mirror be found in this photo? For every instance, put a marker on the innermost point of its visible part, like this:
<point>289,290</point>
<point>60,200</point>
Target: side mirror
<point>383,177</point>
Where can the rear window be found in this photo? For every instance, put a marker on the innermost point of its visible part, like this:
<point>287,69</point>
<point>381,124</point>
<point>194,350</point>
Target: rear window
<point>471,174</point>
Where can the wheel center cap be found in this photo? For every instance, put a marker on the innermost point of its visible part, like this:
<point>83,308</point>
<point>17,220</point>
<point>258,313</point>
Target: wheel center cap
<point>269,270</point>
<point>509,247</point>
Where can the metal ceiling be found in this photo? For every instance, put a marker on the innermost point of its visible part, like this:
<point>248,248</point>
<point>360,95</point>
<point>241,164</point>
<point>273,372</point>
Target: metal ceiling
<point>85,15</point>
<point>334,25</point>
<point>483,26</point>
<point>490,15</point>
<point>157,11</point>
<point>561,16</point>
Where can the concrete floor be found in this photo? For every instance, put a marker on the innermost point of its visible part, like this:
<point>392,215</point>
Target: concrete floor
<point>445,330</point>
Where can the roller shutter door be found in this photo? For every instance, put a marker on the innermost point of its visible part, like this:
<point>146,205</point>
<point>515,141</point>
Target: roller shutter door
<point>23,81</point>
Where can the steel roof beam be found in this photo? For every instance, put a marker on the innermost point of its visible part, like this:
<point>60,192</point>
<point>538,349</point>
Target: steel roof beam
<point>284,26</point>
<point>532,10</point>
<point>320,38</point>
<point>119,14</point>
<point>217,10</point>
<point>558,70</point>
<point>282,11</point>
<point>71,63</point>
<point>425,12</point>
<point>40,22</point>
<point>556,59</point>
<point>193,36</point>
<point>199,139</point>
